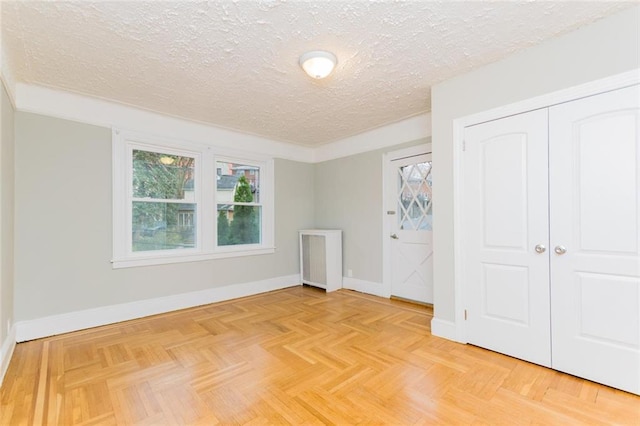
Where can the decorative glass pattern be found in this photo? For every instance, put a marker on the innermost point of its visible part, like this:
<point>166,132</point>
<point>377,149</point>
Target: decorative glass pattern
<point>414,197</point>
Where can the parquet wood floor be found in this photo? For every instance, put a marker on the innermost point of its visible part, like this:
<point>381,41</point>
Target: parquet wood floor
<point>295,356</point>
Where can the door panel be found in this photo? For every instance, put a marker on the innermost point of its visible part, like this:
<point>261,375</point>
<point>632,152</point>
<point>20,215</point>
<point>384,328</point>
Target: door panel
<point>595,286</point>
<point>611,303</point>
<point>505,211</point>
<point>412,241</point>
<point>506,216</point>
<point>604,178</point>
<point>500,283</point>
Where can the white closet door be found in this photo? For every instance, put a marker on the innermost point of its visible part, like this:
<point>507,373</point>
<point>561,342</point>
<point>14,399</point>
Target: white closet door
<point>594,195</point>
<point>506,217</point>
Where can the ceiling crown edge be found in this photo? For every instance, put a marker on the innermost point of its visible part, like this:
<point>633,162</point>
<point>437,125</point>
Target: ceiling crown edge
<point>105,113</point>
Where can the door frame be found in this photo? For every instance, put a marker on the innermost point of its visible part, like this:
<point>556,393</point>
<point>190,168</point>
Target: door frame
<point>387,158</point>
<point>456,330</point>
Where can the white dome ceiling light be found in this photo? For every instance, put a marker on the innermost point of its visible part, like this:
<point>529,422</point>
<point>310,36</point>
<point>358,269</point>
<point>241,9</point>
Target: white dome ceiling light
<point>318,63</point>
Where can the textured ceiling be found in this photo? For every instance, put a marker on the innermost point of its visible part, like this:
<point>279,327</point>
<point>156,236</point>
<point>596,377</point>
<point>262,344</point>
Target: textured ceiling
<point>234,64</point>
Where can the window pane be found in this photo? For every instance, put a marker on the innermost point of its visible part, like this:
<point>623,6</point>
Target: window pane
<point>238,224</point>
<point>414,197</point>
<point>162,176</point>
<point>230,176</point>
<point>163,226</point>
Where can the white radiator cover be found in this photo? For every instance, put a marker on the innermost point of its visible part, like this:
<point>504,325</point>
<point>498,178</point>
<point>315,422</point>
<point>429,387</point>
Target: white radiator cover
<point>321,258</point>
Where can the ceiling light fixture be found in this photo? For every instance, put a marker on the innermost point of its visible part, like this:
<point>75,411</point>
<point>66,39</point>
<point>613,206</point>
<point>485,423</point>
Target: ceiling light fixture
<point>318,63</point>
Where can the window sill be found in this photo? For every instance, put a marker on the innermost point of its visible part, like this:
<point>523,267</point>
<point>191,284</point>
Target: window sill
<point>133,262</point>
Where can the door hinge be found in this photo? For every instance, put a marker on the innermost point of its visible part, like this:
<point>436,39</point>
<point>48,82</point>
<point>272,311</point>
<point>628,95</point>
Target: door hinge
<point>465,314</point>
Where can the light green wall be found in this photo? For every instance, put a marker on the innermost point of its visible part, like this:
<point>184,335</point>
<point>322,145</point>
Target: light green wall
<point>6,213</point>
<point>63,226</point>
<point>348,196</point>
<point>602,49</point>
<point>64,234</point>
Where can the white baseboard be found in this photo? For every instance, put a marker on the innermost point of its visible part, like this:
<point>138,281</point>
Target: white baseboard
<point>6,352</point>
<point>369,287</point>
<point>445,329</point>
<point>79,320</point>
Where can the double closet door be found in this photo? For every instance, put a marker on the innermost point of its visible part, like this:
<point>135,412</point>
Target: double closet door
<point>551,227</point>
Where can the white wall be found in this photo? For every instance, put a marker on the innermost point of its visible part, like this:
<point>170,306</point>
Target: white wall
<point>63,227</point>
<point>6,228</point>
<point>607,47</point>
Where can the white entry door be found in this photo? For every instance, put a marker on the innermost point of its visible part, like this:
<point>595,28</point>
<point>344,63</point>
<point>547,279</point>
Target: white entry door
<point>595,237</point>
<point>411,228</point>
<point>505,234</point>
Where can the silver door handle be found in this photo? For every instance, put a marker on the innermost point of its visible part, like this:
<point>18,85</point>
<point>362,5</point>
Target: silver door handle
<point>540,248</point>
<point>560,250</point>
<point>395,236</point>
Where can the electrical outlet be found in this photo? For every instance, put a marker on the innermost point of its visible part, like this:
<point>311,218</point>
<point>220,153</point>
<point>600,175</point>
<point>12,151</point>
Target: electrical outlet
<point>349,273</point>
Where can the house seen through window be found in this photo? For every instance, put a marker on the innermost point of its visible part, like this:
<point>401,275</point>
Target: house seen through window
<point>239,208</point>
<point>163,202</point>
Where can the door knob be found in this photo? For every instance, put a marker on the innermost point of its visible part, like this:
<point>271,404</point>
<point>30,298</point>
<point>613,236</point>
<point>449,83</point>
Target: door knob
<point>560,250</point>
<point>540,248</point>
<point>395,236</point>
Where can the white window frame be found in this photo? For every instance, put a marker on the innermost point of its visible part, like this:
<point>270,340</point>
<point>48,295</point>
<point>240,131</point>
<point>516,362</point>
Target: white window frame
<point>129,198</point>
<point>206,155</point>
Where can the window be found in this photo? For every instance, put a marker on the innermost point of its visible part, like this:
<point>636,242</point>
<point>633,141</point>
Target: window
<point>179,201</point>
<point>239,206</point>
<point>162,190</point>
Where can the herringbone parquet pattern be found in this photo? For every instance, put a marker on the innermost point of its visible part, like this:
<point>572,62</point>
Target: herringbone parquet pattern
<point>296,356</point>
